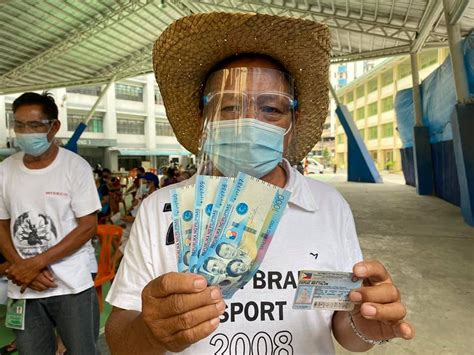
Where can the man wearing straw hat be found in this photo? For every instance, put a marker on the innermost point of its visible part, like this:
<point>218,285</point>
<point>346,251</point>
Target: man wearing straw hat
<point>249,93</point>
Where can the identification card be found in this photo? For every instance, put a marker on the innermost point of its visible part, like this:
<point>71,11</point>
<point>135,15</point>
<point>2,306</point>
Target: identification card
<point>15,318</point>
<point>325,290</point>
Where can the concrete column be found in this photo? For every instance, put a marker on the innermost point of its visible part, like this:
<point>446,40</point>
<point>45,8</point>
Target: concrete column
<point>462,122</point>
<point>416,90</point>
<point>60,97</point>
<point>111,159</point>
<point>110,117</point>
<point>3,123</point>
<point>421,139</point>
<point>149,100</point>
<point>457,58</point>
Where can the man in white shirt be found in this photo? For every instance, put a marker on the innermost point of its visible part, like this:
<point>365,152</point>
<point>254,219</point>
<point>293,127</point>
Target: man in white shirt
<point>48,205</point>
<point>236,74</point>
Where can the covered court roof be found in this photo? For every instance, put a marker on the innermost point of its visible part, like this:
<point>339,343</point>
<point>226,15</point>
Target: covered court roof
<point>57,43</point>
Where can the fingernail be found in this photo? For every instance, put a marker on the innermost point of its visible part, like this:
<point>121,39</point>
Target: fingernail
<point>221,307</point>
<point>215,321</point>
<point>369,311</point>
<point>215,294</point>
<point>360,270</point>
<point>355,296</point>
<point>200,283</point>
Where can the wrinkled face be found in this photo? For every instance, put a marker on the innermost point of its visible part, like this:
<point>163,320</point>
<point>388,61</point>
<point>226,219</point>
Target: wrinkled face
<point>251,92</point>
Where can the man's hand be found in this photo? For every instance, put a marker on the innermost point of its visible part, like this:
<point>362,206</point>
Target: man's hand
<point>43,282</point>
<point>378,313</point>
<point>179,310</point>
<point>24,271</point>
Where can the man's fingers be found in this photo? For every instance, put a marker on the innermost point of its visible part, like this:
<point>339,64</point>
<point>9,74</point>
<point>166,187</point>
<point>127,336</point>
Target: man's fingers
<point>390,312</point>
<point>175,282</point>
<point>383,293</point>
<point>48,274</point>
<point>45,280</point>
<point>193,318</point>
<point>404,330</point>
<point>37,286</point>
<point>372,270</point>
<point>181,303</point>
<point>185,338</point>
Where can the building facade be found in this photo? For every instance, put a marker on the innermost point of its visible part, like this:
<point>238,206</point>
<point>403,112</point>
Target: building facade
<point>339,75</point>
<point>370,99</point>
<point>128,129</point>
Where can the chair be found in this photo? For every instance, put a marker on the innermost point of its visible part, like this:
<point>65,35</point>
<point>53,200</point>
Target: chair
<point>109,240</point>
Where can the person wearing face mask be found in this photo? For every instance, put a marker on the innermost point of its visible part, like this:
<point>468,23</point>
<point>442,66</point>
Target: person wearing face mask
<point>248,92</point>
<point>48,214</point>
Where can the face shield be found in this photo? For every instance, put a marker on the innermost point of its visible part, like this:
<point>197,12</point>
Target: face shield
<point>249,115</point>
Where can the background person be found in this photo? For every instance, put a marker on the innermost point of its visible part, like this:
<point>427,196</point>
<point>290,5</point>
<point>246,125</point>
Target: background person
<point>48,205</point>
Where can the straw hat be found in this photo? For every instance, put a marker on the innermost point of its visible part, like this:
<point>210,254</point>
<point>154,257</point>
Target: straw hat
<point>192,45</point>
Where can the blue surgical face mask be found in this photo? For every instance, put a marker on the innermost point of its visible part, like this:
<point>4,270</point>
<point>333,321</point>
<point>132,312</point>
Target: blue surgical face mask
<point>33,144</point>
<point>245,145</point>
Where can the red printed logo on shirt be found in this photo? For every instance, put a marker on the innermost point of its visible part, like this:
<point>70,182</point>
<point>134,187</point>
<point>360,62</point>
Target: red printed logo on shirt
<point>57,193</point>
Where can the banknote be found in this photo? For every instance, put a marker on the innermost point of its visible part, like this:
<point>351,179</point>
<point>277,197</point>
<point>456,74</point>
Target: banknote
<point>222,192</point>
<point>325,290</point>
<point>182,207</point>
<point>266,234</point>
<point>234,246</point>
<point>205,193</point>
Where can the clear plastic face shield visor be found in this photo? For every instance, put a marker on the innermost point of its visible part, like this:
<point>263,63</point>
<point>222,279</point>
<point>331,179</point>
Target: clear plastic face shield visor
<point>249,116</point>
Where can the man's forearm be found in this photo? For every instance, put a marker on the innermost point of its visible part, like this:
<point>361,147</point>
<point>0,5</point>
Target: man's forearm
<point>71,242</point>
<point>344,334</point>
<point>127,333</point>
<point>6,245</point>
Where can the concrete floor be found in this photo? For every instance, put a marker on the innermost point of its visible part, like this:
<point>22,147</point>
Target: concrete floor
<point>429,251</point>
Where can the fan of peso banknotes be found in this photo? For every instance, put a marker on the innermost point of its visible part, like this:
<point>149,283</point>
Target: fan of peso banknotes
<point>223,227</point>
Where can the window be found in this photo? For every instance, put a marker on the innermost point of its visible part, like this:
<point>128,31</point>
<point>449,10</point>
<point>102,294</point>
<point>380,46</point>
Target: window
<point>163,128</point>
<point>128,92</point>
<point>360,91</point>
<point>158,98</point>
<point>350,97</point>
<point>362,133</point>
<point>428,58</point>
<point>95,125</point>
<point>86,90</point>
<point>404,69</point>
<point>387,104</point>
<point>387,130</point>
<point>340,138</point>
<point>372,85</point>
<point>387,77</point>
<point>372,109</point>
<point>326,126</point>
<point>360,113</point>
<point>130,126</point>
<point>373,132</point>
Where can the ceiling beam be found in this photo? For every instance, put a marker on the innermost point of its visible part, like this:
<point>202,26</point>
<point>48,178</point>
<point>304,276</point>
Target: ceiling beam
<point>431,15</point>
<point>88,30</point>
<point>456,14</point>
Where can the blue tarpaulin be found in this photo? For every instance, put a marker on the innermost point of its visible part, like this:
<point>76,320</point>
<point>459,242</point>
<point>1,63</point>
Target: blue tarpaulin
<point>438,97</point>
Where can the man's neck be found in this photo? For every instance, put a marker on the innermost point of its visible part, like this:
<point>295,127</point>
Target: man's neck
<point>276,177</point>
<point>42,161</point>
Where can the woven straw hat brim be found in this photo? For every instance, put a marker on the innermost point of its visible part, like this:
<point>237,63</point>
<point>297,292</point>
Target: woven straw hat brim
<point>192,45</point>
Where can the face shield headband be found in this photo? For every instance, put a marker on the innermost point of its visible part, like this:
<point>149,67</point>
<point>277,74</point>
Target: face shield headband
<point>248,117</point>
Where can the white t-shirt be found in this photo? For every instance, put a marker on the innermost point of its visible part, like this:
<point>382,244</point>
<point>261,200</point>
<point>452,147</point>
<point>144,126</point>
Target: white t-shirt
<point>43,206</point>
<point>316,232</point>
